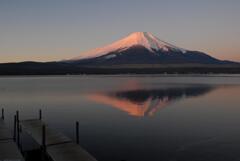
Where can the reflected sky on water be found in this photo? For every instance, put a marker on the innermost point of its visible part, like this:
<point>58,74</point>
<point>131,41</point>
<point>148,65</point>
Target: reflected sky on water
<point>135,118</point>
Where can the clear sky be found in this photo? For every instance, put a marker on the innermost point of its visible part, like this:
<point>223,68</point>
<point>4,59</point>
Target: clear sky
<point>45,30</point>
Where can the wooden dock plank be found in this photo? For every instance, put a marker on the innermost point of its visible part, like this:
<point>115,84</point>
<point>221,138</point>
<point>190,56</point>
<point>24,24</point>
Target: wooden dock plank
<point>34,128</point>
<point>8,148</point>
<point>69,152</point>
<point>59,147</point>
<point>4,131</point>
<point>9,151</point>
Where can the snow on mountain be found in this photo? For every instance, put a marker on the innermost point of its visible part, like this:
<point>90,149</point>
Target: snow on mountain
<point>144,39</point>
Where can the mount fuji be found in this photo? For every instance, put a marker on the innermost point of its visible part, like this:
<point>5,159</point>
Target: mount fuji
<point>138,53</point>
<point>143,48</point>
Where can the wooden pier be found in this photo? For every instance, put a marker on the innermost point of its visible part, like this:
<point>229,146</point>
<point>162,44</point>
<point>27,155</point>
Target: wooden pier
<point>8,148</point>
<point>53,143</point>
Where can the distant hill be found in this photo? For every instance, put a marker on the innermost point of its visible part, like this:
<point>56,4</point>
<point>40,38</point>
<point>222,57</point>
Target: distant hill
<point>60,68</point>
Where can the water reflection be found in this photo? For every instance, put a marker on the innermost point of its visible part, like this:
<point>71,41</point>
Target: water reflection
<point>146,102</point>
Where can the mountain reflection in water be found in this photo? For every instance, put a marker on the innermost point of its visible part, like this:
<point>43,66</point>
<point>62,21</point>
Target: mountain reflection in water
<point>146,102</point>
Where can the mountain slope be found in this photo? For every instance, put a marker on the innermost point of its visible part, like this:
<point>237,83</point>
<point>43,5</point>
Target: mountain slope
<point>143,48</point>
<point>144,39</point>
<point>139,53</point>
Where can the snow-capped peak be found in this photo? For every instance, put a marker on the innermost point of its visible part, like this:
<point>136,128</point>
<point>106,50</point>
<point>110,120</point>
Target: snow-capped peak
<point>144,39</point>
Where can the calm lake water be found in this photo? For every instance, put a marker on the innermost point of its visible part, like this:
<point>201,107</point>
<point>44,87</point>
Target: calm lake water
<point>135,118</point>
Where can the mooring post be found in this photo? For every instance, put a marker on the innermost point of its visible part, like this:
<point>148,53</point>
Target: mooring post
<point>3,113</point>
<point>43,153</point>
<point>17,115</point>
<point>40,114</point>
<point>44,138</point>
<point>18,129</point>
<point>14,128</point>
<point>77,132</point>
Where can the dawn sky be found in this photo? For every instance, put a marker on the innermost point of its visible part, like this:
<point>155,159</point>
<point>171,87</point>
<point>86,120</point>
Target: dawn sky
<point>46,30</point>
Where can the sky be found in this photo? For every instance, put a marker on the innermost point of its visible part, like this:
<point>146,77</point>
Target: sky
<point>51,30</point>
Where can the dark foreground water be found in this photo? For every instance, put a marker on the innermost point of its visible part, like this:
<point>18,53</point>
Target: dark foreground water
<point>135,118</point>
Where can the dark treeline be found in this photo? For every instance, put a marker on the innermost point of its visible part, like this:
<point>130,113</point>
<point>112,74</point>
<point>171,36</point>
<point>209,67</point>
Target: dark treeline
<point>53,68</point>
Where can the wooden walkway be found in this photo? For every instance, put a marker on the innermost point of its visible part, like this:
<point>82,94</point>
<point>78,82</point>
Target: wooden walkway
<point>8,148</point>
<point>58,146</point>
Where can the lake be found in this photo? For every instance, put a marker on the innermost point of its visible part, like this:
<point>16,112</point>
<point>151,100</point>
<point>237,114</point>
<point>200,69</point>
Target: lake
<point>135,118</point>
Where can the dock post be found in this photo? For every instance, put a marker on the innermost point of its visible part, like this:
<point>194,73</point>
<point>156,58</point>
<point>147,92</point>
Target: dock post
<point>3,113</point>
<point>43,147</point>
<point>40,114</point>
<point>44,138</point>
<point>17,115</point>
<point>77,132</point>
<point>18,129</point>
<point>14,128</point>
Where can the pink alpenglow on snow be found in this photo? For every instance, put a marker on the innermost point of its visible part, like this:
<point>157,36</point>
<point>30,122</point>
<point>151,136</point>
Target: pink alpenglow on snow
<point>145,39</point>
